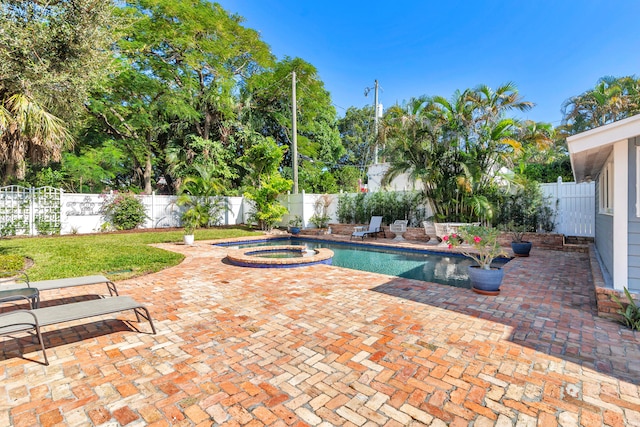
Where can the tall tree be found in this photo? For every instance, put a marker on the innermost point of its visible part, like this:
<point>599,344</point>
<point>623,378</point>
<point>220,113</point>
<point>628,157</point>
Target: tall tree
<point>267,107</point>
<point>185,60</point>
<point>455,146</point>
<point>357,131</point>
<point>50,55</point>
<point>612,99</point>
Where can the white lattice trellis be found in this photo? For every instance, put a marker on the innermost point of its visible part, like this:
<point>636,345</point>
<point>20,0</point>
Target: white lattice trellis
<point>29,210</point>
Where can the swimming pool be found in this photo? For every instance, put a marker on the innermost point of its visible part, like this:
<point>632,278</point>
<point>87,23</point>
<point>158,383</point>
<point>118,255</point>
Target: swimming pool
<point>425,265</point>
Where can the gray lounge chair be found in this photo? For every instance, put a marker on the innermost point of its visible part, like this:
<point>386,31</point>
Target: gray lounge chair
<point>32,320</point>
<point>21,279</point>
<point>375,227</point>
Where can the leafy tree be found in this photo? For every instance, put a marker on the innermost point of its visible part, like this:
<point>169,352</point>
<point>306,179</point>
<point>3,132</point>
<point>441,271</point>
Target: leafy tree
<point>267,100</point>
<point>94,169</point>
<point>264,183</point>
<point>180,64</point>
<point>268,211</point>
<point>357,133</point>
<point>50,55</point>
<point>358,138</point>
<point>196,153</point>
<point>262,158</point>
<point>612,99</point>
<point>317,179</point>
<point>455,146</point>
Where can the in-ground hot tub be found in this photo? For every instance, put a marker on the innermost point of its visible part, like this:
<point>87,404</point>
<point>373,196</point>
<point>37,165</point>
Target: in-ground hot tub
<point>279,256</point>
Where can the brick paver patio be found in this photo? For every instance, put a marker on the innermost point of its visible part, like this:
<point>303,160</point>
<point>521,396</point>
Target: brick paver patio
<point>325,346</point>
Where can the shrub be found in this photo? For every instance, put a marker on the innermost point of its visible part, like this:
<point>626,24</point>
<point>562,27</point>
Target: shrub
<point>267,210</point>
<point>528,209</point>
<point>11,262</point>
<point>392,205</point>
<point>124,211</point>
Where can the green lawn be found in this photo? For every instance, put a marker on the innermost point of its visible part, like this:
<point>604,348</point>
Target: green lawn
<point>117,256</point>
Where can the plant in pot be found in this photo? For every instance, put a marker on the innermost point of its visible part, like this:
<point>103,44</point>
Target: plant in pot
<point>520,247</point>
<point>320,217</point>
<point>189,223</point>
<point>295,224</point>
<point>481,245</point>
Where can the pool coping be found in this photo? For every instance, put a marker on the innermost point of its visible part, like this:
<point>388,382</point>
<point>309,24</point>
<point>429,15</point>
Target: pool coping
<point>245,257</point>
<point>369,244</point>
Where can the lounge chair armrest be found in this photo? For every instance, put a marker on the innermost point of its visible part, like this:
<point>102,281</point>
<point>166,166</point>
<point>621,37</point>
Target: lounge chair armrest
<point>14,276</point>
<point>14,298</point>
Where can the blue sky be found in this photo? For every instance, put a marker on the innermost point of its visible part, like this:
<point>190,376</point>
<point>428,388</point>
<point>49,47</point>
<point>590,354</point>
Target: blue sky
<point>552,50</point>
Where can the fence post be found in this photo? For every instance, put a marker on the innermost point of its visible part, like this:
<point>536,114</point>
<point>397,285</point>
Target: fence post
<point>559,215</point>
<point>32,211</point>
<point>153,209</point>
<point>302,213</point>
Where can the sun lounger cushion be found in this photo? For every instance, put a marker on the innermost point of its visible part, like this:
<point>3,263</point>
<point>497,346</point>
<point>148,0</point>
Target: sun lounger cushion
<point>25,320</point>
<point>375,227</point>
<point>45,285</point>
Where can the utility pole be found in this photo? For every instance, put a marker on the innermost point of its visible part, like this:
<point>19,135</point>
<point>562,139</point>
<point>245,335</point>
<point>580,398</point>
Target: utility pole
<point>375,118</point>
<point>294,131</point>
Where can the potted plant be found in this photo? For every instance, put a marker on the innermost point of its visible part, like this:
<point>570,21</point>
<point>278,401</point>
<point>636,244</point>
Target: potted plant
<point>519,247</point>
<point>295,224</point>
<point>481,245</point>
<point>189,223</point>
<point>321,217</point>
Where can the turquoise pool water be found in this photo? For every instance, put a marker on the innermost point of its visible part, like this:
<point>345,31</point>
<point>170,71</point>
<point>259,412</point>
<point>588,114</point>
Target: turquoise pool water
<point>424,265</point>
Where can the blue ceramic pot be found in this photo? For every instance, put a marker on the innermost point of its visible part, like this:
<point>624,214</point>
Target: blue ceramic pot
<point>521,248</point>
<point>486,282</point>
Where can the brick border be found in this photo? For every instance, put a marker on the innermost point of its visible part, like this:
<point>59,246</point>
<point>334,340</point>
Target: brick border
<point>606,305</point>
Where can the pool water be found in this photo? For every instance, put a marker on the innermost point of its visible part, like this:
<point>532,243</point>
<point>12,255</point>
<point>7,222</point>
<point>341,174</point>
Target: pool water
<point>446,269</point>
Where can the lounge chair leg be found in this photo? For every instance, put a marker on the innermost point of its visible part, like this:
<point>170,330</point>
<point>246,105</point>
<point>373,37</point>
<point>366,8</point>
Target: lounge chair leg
<point>44,352</point>
<point>145,315</point>
<point>112,288</point>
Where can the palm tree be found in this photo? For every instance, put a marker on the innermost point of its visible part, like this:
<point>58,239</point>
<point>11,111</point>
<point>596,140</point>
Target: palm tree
<point>201,196</point>
<point>28,132</point>
<point>455,146</point>
<point>610,100</point>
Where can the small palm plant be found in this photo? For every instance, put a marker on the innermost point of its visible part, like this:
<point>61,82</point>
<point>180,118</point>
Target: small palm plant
<point>200,196</point>
<point>630,312</point>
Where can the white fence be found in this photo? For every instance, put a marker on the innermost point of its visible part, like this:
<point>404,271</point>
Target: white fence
<point>575,204</point>
<point>80,213</point>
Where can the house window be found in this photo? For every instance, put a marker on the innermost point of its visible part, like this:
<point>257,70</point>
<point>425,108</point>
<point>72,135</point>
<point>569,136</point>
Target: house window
<point>606,188</point>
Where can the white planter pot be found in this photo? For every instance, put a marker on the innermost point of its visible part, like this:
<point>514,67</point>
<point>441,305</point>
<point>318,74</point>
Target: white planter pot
<point>188,239</point>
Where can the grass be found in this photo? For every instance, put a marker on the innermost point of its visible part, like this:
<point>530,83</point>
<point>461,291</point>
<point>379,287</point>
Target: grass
<point>116,255</point>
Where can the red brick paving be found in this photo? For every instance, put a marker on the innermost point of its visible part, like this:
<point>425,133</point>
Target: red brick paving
<point>321,346</point>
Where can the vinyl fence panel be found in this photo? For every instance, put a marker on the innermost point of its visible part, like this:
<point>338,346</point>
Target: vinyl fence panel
<point>574,205</point>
